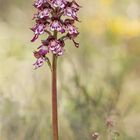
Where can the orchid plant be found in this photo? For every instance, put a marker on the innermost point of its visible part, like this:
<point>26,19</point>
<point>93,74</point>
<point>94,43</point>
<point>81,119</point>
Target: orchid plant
<point>53,18</point>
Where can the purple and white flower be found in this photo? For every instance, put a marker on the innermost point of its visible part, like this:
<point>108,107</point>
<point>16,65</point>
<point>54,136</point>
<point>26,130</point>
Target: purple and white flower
<point>39,62</point>
<point>75,5</point>
<point>38,3</point>
<point>49,19</point>
<point>69,11</point>
<point>72,29</point>
<point>53,45</point>
<point>59,3</point>
<point>43,50</point>
<point>38,30</point>
<point>56,47</point>
<point>57,26</point>
<point>44,14</point>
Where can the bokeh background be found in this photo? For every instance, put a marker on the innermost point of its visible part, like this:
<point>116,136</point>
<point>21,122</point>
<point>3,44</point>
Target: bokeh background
<point>101,79</point>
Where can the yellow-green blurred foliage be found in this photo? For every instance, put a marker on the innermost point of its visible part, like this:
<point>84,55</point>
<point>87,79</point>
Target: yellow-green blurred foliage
<point>98,80</point>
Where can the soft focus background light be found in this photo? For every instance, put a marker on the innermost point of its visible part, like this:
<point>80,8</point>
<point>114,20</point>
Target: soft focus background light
<point>101,79</point>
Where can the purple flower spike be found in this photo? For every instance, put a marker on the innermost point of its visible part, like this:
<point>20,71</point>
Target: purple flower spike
<point>49,19</point>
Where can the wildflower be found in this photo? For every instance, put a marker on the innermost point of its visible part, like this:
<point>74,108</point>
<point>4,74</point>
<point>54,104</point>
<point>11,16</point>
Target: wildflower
<point>49,19</point>
<point>56,46</point>
<point>109,123</point>
<point>40,59</point>
<point>44,14</point>
<point>43,50</point>
<point>95,136</point>
<point>59,3</point>
<point>71,29</point>
<point>56,25</point>
<point>71,10</point>
<point>38,30</point>
<point>38,3</point>
<point>39,62</point>
<point>54,18</point>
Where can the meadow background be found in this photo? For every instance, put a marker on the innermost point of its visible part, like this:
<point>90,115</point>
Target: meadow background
<point>101,79</point>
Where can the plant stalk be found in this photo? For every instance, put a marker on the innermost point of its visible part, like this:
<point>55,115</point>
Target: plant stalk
<point>54,98</point>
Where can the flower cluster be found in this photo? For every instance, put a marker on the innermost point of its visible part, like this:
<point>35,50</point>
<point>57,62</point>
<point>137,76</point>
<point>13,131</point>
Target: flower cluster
<point>53,17</point>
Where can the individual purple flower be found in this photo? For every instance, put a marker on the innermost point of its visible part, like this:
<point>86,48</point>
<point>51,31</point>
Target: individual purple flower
<point>38,30</point>
<point>44,14</point>
<point>71,10</point>
<point>72,29</point>
<point>39,62</point>
<point>56,46</point>
<point>56,25</point>
<point>75,5</point>
<point>59,3</point>
<point>40,59</point>
<point>43,50</point>
<point>53,45</point>
<point>72,37</point>
<point>38,3</point>
<point>51,19</point>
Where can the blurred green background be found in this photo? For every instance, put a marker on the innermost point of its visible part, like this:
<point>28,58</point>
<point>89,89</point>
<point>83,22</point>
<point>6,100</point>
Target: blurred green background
<point>101,79</point>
